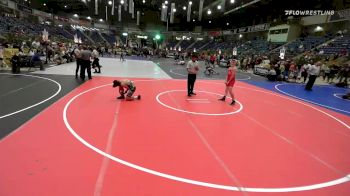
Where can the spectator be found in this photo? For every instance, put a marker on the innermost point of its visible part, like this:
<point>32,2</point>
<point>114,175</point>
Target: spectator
<point>77,54</point>
<point>271,75</point>
<point>314,71</point>
<point>1,55</point>
<point>15,64</point>
<point>36,61</point>
<point>85,63</point>
<point>96,61</point>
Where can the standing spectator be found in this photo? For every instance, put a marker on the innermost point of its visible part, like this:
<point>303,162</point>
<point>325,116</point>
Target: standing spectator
<point>230,81</point>
<point>314,71</point>
<point>244,64</point>
<point>85,64</point>
<point>1,55</point>
<point>304,72</point>
<point>122,55</point>
<point>15,64</point>
<point>192,69</point>
<point>286,70</point>
<point>327,72</point>
<point>77,54</point>
<point>96,61</point>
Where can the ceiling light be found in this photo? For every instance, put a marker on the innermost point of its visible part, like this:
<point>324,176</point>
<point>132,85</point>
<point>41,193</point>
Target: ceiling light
<point>219,7</point>
<point>184,7</point>
<point>190,2</point>
<point>122,2</point>
<point>166,2</point>
<point>109,2</point>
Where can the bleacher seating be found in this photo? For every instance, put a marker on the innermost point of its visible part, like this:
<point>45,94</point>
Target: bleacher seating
<point>96,37</point>
<point>337,46</point>
<point>197,45</point>
<point>185,44</point>
<point>110,38</point>
<point>172,44</point>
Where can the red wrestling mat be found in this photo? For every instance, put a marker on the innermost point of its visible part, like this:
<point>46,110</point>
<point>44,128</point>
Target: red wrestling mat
<point>88,143</point>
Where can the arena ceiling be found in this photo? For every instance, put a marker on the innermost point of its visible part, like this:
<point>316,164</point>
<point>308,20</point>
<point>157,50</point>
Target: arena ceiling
<point>225,18</point>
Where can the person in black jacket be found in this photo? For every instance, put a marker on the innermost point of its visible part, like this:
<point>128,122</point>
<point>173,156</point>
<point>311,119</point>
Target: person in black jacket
<point>15,64</point>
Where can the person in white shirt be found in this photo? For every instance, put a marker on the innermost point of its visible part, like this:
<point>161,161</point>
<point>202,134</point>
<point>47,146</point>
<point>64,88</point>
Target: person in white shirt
<point>192,69</point>
<point>314,71</point>
<point>96,61</point>
<point>31,53</point>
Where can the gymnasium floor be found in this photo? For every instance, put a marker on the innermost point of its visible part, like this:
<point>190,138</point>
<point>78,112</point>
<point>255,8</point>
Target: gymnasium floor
<point>64,137</point>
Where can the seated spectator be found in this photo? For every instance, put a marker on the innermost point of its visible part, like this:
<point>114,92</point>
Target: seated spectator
<point>271,75</point>
<point>36,61</point>
<point>346,96</point>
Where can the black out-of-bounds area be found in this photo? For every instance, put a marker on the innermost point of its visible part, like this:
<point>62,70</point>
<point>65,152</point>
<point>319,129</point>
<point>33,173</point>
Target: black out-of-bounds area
<point>23,96</point>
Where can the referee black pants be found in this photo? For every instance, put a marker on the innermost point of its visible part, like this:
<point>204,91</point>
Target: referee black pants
<point>311,82</point>
<point>190,83</point>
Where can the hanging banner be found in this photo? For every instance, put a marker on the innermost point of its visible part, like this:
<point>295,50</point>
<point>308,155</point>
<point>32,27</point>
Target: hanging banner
<point>130,6</point>
<point>189,12</point>
<point>234,53</point>
<point>112,8</point>
<point>106,13</point>
<point>138,18</point>
<point>96,7</point>
<point>126,6</point>
<point>282,52</point>
<point>172,13</point>
<point>120,13</point>
<point>132,10</point>
<point>200,13</point>
<point>223,5</point>
<point>164,13</point>
<point>255,28</point>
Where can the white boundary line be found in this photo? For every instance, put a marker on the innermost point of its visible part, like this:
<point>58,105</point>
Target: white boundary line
<point>197,113</point>
<point>197,99</point>
<point>276,87</point>
<point>213,78</point>
<point>337,96</point>
<point>34,105</point>
<point>206,184</point>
